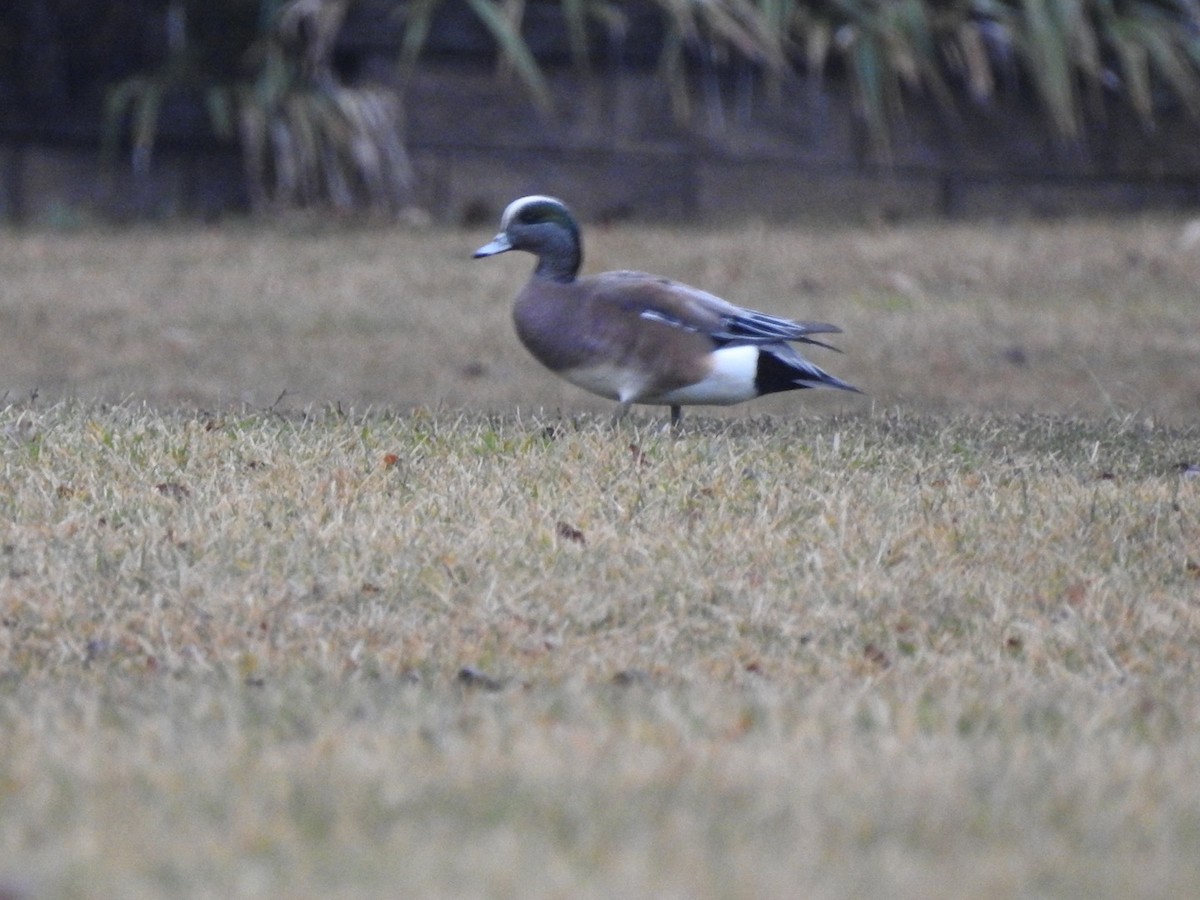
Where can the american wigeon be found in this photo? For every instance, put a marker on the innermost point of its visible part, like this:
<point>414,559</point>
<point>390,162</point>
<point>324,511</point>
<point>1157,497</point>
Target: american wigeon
<point>638,338</point>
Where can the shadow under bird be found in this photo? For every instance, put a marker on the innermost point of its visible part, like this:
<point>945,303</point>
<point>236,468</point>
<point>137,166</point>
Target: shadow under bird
<point>639,338</point>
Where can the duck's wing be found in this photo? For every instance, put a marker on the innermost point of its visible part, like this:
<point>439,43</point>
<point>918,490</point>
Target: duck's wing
<point>682,306</point>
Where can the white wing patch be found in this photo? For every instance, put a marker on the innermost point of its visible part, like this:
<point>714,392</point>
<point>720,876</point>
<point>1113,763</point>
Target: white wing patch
<point>655,316</point>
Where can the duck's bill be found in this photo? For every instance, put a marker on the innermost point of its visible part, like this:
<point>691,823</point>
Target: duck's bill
<point>498,244</point>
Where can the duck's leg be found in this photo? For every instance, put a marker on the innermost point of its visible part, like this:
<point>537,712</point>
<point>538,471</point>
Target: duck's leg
<point>619,412</point>
<point>676,415</point>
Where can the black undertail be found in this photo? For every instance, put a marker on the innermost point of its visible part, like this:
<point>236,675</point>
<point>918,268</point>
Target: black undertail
<point>775,374</point>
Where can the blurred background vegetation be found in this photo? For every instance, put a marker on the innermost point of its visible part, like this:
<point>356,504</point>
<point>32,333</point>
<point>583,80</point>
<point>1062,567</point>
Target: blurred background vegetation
<point>312,93</point>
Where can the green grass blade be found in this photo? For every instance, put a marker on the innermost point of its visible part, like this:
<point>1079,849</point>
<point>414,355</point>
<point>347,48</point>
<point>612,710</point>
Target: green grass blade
<point>575,18</point>
<point>1049,63</point>
<point>673,73</point>
<point>1161,40</point>
<point>145,125</point>
<point>512,47</point>
<point>418,17</point>
<point>219,103</point>
<point>869,75</point>
<point>976,61</point>
<point>117,102</point>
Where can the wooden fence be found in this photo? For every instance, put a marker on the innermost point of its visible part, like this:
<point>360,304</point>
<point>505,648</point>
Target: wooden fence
<point>614,149</point>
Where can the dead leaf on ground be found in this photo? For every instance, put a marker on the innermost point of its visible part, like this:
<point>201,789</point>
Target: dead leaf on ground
<point>1075,593</point>
<point>876,656</point>
<point>473,678</point>
<point>630,677</point>
<point>569,533</point>
<point>173,489</point>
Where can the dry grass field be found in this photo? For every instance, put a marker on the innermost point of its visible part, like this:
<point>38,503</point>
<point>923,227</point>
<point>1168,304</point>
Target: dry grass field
<point>313,585</point>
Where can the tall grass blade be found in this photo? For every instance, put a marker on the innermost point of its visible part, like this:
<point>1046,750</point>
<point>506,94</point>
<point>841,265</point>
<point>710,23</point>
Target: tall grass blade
<point>869,77</point>
<point>418,18</point>
<point>575,18</point>
<point>515,50</point>
<point>1048,57</point>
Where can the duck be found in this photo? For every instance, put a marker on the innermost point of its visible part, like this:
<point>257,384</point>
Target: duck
<point>638,338</point>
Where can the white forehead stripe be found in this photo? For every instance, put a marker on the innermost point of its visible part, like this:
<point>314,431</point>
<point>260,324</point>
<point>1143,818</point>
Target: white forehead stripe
<point>513,208</point>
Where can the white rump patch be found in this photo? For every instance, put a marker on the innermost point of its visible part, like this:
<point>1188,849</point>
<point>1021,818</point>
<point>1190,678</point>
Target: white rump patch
<point>730,381</point>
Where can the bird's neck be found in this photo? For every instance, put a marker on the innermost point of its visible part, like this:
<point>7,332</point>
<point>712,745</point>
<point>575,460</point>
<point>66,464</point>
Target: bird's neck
<point>560,259</point>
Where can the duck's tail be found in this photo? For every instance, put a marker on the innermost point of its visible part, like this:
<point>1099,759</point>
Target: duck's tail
<point>782,368</point>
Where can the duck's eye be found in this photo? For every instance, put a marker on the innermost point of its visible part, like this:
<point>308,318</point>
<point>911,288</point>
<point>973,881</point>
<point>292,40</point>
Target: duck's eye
<point>530,215</point>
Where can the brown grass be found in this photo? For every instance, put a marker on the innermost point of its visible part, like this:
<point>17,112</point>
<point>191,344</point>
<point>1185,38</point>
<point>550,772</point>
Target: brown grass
<point>876,649</point>
<point>1080,319</point>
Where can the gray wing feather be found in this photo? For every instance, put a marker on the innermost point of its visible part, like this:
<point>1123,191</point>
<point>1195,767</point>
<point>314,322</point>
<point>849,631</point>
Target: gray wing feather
<point>749,327</point>
<point>691,309</point>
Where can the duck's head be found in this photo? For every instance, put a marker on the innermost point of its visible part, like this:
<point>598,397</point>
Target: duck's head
<point>544,227</point>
